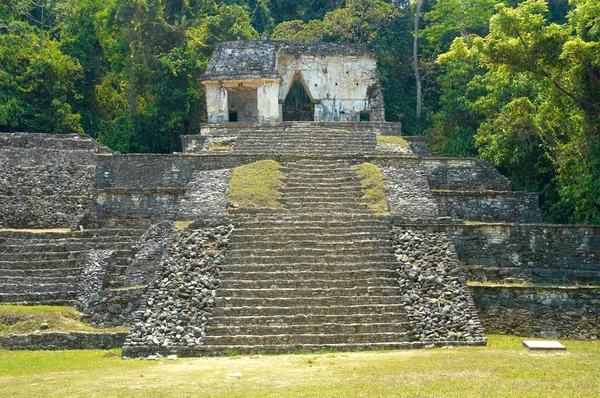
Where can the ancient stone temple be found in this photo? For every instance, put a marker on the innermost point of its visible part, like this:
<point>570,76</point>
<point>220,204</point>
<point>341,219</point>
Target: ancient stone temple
<point>266,81</point>
<point>296,219</point>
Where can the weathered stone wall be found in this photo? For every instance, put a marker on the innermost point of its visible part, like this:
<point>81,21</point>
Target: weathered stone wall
<point>551,254</point>
<point>178,304</point>
<point>555,312</point>
<point>113,307</point>
<point>489,206</point>
<point>206,195</point>
<point>407,190</point>
<point>464,175</point>
<point>63,341</point>
<point>94,278</point>
<point>150,251</point>
<point>435,293</point>
<point>46,180</point>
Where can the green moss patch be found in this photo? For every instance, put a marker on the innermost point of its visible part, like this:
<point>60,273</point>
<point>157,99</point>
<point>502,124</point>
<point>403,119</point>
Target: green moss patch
<point>219,146</point>
<point>256,185</point>
<point>16,319</point>
<point>371,179</point>
<point>393,143</point>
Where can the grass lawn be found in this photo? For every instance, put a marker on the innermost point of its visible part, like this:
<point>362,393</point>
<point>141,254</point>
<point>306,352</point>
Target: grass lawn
<point>17,319</point>
<point>503,368</point>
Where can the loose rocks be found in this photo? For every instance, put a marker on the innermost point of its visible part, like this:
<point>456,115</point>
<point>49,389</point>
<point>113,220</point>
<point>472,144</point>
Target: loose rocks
<point>437,300</point>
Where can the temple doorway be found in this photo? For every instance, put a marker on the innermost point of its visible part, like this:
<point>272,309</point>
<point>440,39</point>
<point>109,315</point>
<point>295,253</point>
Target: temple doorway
<point>298,105</point>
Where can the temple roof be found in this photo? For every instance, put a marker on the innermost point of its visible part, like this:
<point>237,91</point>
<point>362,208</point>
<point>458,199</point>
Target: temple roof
<point>246,59</point>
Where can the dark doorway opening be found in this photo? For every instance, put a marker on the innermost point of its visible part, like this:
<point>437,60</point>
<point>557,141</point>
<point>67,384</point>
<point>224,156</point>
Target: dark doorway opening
<point>365,116</point>
<point>233,116</point>
<point>297,105</point>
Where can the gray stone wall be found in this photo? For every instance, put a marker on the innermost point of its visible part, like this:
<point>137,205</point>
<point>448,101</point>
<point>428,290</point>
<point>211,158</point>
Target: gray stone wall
<point>549,254</point>
<point>113,307</point>
<point>464,175</point>
<point>46,180</point>
<point>555,312</point>
<point>94,278</point>
<point>150,251</point>
<point>489,206</point>
<point>435,293</point>
<point>63,341</point>
<point>176,309</point>
<point>407,190</point>
<point>206,195</point>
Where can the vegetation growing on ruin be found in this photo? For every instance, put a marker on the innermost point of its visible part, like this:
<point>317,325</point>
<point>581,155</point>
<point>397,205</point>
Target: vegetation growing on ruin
<point>219,146</point>
<point>371,179</point>
<point>25,319</point>
<point>256,185</point>
<point>394,143</point>
<point>503,368</point>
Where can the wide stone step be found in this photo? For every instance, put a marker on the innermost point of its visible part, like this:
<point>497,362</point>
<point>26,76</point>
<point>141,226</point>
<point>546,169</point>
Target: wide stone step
<point>41,256</point>
<point>51,256</point>
<point>322,235</point>
<point>248,275</point>
<point>306,338</point>
<point>214,350</point>
<point>72,279</point>
<point>314,283</point>
<point>41,264</point>
<point>294,217</point>
<point>302,319</point>
<point>305,301</point>
<point>27,287</point>
<point>320,185</point>
<point>242,265</point>
<point>290,309</point>
<point>64,247</point>
<point>42,272</point>
<point>318,226</point>
<point>251,243</point>
<point>302,329</point>
<point>320,293</point>
<point>45,298</point>
<point>316,179</point>
<point>305,254</point>
<point>86,234</point>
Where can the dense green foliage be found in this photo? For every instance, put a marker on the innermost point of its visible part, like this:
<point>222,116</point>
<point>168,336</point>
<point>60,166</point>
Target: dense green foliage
<point>514,82</point>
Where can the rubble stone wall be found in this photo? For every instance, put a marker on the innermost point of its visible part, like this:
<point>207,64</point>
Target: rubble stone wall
<point>489,206</point>
<point>46,180</point>
<point>553,312</point>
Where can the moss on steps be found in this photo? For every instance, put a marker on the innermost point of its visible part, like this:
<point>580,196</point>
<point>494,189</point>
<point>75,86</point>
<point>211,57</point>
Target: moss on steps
<point>256,185</point>
<point>371,179</point>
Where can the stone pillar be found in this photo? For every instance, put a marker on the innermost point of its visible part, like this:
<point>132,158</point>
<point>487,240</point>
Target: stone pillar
<point>267,100</point>
<point>216,103</point>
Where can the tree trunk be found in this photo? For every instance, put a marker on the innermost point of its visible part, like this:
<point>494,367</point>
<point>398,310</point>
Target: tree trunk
<point>416,59</point>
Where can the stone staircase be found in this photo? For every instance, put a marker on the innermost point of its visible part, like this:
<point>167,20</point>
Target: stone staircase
<point>305,137</point>
<point>317,276</point>
<point>44,268</point>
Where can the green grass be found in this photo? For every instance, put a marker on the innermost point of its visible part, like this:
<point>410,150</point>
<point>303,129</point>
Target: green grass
<point>17,319</point>
<point>371,179</point>
<point>393,142</point>
<point>256,185</point>
<point>502,369</point>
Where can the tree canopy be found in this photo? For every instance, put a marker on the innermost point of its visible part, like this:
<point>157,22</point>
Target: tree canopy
<point>515,82</point>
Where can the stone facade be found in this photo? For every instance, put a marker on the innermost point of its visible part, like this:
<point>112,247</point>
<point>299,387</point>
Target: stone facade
<point>551,312</point>
<point>63,341</point>
<point>251,80</point>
